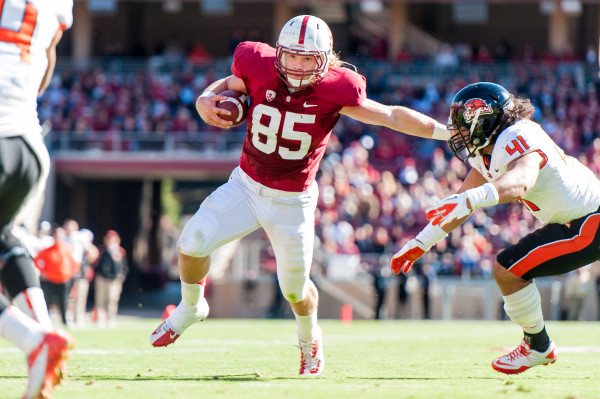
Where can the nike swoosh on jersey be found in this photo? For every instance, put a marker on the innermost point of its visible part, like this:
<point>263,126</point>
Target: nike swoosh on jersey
<point>306,105</point>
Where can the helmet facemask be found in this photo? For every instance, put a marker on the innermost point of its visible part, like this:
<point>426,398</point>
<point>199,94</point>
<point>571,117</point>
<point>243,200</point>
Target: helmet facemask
<point>470,137</point>
<point>299,79</point>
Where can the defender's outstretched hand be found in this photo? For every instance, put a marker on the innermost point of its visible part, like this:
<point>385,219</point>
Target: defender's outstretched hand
<point>404,259</point>
<point>448,210</point>
<point>415,248</point>
<point>459,206</point>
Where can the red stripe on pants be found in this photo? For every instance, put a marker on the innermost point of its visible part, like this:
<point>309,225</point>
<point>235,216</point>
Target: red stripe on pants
<point>542,254</point>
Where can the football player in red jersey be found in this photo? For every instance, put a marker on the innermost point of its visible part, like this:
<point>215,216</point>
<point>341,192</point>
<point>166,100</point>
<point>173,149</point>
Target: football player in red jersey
<point>29,33</point>
<point>297,91</point>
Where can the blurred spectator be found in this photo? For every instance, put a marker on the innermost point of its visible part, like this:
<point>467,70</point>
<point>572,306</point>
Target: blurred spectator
<point>198,54</point>
<point>111,270</point>
<point>402,310</point>
<point>446,58</point>
<point>269,265</point>
<point>427,278</point>
<point>409,174</point>
<point>591,57</point>
<point>404,55</point>
<point>380,269</point>
<point>577,288</point>
<point>483,55</point>
<point>379,47</point>
<point>85,253</point>
<point>504,51</point>
<point>57,267</point>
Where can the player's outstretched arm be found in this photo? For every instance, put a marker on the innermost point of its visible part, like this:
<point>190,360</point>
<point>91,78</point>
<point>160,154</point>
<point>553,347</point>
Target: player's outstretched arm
<point>476,192</point>
<point>398,118</point>
<point>446,215</point>
<point>206,103</point>
<point>439,227</point>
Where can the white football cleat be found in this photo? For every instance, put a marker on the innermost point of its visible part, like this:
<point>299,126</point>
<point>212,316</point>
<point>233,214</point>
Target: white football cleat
<point>183,316</point>
<point>47,364</point>
<point>312,360</point>
<point>523,358</point>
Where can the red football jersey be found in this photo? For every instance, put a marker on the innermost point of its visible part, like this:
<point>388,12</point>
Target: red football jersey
<point>288,132</point>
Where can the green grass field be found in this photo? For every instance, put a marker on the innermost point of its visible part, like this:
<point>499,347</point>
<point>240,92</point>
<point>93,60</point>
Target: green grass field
<point>365,359</point>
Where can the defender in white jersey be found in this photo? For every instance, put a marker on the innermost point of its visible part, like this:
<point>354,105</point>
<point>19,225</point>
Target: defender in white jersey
<point>514,159</point>
<point>29,33</point>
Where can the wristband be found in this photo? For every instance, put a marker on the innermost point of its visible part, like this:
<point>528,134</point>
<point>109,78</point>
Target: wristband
<point>485,195</point>
<point>430,236</point>
<point>440,132</point>
<point>207,93</point>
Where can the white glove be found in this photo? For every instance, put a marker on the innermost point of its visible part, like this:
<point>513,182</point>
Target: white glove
<point>448,210</point>
<point>456,206</point>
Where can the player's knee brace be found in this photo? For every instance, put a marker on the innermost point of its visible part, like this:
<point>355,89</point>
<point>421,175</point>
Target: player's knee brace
<point>197,236</point>
<point>18,272</point>
<point>293,286</point>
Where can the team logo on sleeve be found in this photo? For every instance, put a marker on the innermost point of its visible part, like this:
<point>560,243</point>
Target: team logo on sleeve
<point>473,105</point>
<point>270,95</point>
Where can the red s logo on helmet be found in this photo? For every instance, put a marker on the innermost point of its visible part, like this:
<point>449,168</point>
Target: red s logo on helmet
<point>473,105</point>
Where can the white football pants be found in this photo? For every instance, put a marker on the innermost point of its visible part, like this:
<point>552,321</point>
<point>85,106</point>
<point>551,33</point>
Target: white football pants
<point>241,206</point>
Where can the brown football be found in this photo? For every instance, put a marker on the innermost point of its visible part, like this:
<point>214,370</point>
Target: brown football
<point>237,103</point>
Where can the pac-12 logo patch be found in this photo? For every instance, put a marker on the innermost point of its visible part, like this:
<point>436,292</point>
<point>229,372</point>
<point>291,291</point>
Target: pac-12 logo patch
<point>473,105</point>
<point>270,95</point>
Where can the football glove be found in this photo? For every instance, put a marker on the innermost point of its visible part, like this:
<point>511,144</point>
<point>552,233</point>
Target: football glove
<point>448,210</point>
<point>415,248</point>
<point>456,207</point>
<point>406,257</point>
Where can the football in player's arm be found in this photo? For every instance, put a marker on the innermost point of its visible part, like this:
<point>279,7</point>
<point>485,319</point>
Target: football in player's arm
<point>297,91</point>
<point>512,158</point>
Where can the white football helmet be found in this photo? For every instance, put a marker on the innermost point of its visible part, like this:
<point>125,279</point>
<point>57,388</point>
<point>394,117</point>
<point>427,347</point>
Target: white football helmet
<point>304,35</point>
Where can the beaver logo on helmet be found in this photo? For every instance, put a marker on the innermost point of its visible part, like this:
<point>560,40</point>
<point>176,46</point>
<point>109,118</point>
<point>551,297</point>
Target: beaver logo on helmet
<point>473,105</point>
